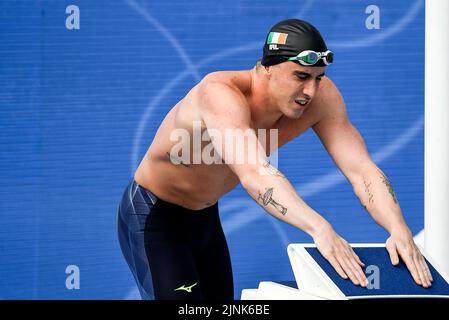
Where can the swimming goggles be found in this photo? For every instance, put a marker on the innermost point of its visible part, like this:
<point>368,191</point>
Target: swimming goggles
<point>310,57</point>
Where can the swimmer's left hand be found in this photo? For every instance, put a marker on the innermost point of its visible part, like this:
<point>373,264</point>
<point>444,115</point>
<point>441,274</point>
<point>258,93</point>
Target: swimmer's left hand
<point>401,244</point>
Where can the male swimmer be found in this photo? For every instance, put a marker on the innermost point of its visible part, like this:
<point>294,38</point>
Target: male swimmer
<point>168,222</point>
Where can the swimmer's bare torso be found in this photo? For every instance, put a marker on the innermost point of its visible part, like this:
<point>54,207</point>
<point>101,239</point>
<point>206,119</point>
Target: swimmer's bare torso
<point>290,94</point>
<point>196,186</point>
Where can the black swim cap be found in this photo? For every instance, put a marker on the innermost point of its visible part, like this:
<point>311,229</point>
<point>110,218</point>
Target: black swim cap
<point>290,37</point>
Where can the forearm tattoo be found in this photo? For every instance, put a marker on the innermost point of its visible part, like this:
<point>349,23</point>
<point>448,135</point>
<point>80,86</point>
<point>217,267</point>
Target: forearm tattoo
<point>174,158</point>
<point>272,170</point>
<point>389,186</point>
<point>368,191</point>
<point>266,199</point>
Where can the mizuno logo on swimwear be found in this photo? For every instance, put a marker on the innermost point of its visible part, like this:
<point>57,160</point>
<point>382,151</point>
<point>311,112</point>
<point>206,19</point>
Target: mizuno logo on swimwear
<point>188,289</point>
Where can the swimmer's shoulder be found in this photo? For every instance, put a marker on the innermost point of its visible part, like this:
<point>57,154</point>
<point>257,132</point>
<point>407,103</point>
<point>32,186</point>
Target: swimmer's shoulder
<point>227,85</point>
<point>221,95</point>
<point>239,81</point>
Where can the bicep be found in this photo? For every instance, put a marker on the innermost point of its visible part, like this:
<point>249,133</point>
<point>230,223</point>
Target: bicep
<point>227,117</point>
<point>343,141</point>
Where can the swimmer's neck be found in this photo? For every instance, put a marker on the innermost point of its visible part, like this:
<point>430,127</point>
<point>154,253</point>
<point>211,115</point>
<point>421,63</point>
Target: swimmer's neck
<point>264,112</point>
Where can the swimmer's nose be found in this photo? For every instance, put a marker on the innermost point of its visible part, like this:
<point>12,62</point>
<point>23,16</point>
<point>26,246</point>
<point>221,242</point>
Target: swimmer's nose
<point>309,90</point>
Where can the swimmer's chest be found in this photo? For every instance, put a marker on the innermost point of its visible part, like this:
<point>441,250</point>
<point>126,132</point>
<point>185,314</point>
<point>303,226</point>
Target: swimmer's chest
<point>186,116</point>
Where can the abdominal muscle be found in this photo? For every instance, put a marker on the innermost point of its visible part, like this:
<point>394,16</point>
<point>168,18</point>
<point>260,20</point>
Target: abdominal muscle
<point>195,187</point>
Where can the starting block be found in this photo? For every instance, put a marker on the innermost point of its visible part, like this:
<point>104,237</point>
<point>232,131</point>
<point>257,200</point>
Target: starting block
<point>316,279</point>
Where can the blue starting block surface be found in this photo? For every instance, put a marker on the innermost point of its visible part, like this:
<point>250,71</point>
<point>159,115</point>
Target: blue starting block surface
<point>393,280</point>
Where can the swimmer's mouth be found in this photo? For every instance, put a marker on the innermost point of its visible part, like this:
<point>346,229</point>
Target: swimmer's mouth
<point>301,102</point>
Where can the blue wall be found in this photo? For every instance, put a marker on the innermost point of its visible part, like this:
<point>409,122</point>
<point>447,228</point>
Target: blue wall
<point>78,109</point>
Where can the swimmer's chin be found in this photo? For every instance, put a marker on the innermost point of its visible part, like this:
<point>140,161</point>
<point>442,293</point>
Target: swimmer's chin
<point>294,114</point>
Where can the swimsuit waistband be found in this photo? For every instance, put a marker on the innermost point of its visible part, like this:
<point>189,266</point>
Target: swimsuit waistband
<point>151,197</point>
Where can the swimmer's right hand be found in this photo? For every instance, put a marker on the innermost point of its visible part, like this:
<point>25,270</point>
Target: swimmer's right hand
<point>340,255</point>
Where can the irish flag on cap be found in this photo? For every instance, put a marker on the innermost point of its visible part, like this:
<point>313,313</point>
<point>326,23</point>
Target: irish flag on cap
<point>277,38</point>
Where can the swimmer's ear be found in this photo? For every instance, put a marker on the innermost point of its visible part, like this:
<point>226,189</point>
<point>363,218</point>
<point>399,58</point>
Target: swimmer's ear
<point>268,70</point>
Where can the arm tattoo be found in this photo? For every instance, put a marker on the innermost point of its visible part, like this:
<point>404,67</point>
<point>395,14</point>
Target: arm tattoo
<point>177,159</point>
<point>367,190</point>
<point>267,199</point>
<point>389,186</point>
<point>272,170</point>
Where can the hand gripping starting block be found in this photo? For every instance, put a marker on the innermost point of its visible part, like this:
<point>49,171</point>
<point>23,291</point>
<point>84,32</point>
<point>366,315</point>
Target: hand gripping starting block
<point>316,279</point>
